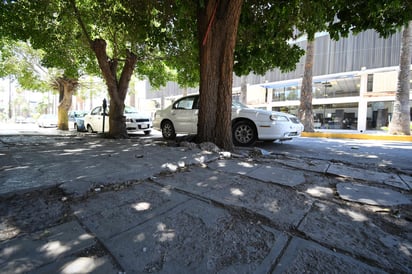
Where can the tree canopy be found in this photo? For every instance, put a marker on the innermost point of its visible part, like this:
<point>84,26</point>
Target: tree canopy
<point>177,40</point>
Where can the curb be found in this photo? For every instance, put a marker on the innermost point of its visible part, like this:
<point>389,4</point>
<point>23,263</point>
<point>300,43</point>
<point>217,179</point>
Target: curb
<point>399,138</point>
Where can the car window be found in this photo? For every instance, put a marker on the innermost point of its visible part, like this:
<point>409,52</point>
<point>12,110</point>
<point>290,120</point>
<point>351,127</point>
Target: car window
<point>238,105</point>
<point>96,111</point>
<point>185,103</point>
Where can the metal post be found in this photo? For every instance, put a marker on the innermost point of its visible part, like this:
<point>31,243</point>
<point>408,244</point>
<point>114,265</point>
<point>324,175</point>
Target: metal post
<point>104,111</point>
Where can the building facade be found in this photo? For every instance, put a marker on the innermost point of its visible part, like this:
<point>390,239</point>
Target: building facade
<point>354,83</point>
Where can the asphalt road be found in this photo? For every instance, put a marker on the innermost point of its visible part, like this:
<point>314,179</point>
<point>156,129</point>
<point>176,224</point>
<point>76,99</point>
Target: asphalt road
<point>393,155</point>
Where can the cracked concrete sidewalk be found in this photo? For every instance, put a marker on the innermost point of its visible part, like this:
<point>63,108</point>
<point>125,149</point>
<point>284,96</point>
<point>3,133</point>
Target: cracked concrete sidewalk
<point>141,206</point>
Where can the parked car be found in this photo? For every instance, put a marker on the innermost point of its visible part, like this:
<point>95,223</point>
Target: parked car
<point>47,120</point>
<point>248,124</point>
<point>135,121</point>
<point>76,120</point>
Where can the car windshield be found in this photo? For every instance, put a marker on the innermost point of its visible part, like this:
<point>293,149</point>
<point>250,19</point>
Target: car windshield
<point>128,109</point>
<point>238,105</point>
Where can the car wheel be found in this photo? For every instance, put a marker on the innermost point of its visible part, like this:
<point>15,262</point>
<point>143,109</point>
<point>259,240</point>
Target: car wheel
<point>168,130</point>
<point>147,132</point>
<point>244,133</point>
<point>89,129</point>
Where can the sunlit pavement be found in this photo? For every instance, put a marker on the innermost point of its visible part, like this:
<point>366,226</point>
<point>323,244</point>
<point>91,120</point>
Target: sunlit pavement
<point>140,206</point>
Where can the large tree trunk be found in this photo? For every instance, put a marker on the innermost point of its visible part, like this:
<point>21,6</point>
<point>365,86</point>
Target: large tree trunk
<point>217,27</point>
<point>400,123</point>
<point>117,88</point>
<point>305,108</point>
<point>66,89</point>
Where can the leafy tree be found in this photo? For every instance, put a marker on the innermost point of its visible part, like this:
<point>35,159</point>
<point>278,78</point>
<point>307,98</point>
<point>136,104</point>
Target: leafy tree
<point>228,41</point>
<point>43,25</point>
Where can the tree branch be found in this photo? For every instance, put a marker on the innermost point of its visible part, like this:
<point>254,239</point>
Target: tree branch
<point>80,21</point>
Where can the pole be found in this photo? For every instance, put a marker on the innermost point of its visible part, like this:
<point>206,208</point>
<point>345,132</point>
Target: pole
<point>104,111</point>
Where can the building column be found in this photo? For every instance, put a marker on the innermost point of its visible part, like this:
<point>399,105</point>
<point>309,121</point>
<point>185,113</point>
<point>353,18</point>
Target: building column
<point>363,103</point>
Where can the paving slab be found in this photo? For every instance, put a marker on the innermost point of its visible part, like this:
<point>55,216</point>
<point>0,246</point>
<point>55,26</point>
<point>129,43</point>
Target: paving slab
<point>305,164</point>
<point>234,166</point>
<point>76,265</point>
<point>371,195</point>
<point>303,256</point>
<point>280,204</point>
<point>278,175</point>
<point>354,232</point>
<point>92,162</point>
<point>22,255</point>
<point>264,172</point>
<point>196,237</point>
<point>407,179</point>
<point>111,213</point>
<point>367,175</point>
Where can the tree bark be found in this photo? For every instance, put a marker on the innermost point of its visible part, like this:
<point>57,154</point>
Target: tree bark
<point>66,89</point>
<point>400,123</point>
<point>117,88</point>
<point>305,108</point>
<point>217,28</point>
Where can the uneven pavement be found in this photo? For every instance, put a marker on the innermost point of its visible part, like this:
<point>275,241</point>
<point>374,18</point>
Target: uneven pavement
<point>71,204</point>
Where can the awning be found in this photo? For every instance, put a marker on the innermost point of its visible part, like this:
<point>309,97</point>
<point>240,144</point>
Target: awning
<point>282,84</point>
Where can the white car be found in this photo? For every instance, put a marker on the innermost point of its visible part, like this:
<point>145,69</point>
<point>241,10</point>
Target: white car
<point>135,121</point>
<point>47,120</point>
<point>248,124</point>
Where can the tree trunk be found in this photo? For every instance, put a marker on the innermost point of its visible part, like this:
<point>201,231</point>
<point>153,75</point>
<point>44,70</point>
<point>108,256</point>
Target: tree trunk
<point>117,88</point>
<point>217,27</point>
<point>305,108</point>
<point>400,123</point>
<point>66,89</point>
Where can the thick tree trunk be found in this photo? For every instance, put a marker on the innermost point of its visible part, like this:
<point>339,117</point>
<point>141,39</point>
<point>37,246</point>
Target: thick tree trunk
<point>400,123</point>
<point>117,88</point>
<point>217,27</point>
<point>305,108</point>
<point>66,89</point>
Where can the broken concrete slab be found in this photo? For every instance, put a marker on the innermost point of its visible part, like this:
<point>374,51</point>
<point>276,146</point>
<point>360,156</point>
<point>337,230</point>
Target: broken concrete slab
<point>407,179</point>
<point>196,237</point>
<point>111,213</point>
<point>367,175</point>
<point>278,175</point>
<point>17,255</point>
<point>306,164</point>
<point>234,166</point>
<point>354,232</point>
<point>371,195</point>
<point>264,172</point>
<point>75,265</point>
<point>303,256</point>
<point>197,180</point>
<point>280,204</point>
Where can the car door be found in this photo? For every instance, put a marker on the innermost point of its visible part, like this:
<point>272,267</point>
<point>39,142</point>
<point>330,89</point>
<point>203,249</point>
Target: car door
<point>96,120</point>
<point>184,114</point>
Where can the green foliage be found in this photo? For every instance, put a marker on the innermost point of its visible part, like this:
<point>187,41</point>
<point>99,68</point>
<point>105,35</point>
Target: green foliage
<point>386,17</point>
<point>22,62</point>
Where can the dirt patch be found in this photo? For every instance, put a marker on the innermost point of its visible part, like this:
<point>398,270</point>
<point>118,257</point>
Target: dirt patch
<point>32,211</point>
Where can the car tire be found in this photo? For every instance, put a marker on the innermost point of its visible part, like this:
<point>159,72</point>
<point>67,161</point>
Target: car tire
<point>147,132</point>
<point>89,129</point>
<point>244,133</point>
<point>168,130</point>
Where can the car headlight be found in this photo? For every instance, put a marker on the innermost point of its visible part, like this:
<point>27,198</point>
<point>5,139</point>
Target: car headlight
<point>278,118</point>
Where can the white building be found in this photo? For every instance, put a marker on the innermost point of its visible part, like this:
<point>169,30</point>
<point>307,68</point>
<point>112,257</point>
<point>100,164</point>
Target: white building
<point>354,83</point>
